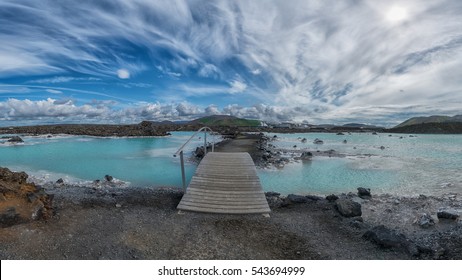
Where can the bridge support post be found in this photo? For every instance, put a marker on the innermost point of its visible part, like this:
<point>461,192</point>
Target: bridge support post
<point>183,177</point>
<point>205,142</point>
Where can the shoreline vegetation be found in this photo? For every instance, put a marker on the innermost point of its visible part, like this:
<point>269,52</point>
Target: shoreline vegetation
<point>63,221</point>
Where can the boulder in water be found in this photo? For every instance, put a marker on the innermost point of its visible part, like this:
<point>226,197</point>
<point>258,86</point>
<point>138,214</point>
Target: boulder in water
<point>15,139</point>
<point>318,141</point>
<point>306,156</point>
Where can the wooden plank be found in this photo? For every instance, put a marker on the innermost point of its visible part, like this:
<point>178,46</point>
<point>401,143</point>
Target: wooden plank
<point>222,207</point>
<point>224,192</point>
<point>228,198</point>
<point>225,183</point>
<point>226,211</point>
<point>221,195</point>
<point>223,203</point>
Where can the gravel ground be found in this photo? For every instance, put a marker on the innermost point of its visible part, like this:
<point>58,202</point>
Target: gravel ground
<point>144,224</point>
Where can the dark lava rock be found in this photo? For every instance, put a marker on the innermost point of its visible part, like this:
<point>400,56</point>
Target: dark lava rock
<point>313,197</point>
<point>426,221</point>
<point>8,176</point>
<point>15,139</point>
<point>364,193</point>
<point>348,207</point>
<point>358,219</point>
<point>60,181</point>
<point>297,198</point>
<point>276,202</point>
<point>357,222</point>
<point>9,217</point>
<point>108,178</point>
<point>269,194</point>
<point>306,156</point>
<point>387,238</point>
<point>199,152</point>
<point>318,141</point>
<point>448,214</point>
<point>332,197</point>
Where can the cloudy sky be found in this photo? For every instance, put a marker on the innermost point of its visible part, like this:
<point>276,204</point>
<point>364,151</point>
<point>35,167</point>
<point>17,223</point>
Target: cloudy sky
<point>370,61</point>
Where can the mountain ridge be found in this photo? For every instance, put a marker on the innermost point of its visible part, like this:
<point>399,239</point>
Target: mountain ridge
<point>224,120</point>
<point>430,119</point>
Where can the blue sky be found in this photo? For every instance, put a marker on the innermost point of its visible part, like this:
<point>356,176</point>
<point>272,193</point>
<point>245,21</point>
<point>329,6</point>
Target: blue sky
<point>368,61</point>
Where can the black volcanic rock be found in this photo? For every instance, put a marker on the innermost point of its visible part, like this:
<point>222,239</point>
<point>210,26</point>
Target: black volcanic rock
<point>387,238</point>
<point>297,198</point>
<point>448,214</point>
<point>144,128</point>
<point>348,207</point>
<point>332,197</point>
<point>364,193</point>
<point>15,139</point>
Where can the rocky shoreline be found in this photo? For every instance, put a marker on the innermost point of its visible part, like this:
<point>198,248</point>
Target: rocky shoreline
<point>144,128</point>
<point>128,222</point>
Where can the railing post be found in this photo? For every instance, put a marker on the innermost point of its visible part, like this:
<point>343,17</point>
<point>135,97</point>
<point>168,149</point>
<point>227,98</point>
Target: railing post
<point>205,141</point>
<point>182,170</point>
<point>213,142</point>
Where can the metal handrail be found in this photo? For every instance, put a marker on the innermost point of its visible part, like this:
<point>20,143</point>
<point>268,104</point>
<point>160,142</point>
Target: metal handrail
<point>180,150</point>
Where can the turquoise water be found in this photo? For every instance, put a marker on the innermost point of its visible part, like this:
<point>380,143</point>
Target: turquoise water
<point>140,161</point>
<point>426,164</point>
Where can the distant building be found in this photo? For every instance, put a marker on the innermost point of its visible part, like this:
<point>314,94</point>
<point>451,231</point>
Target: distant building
<point>284,125</point>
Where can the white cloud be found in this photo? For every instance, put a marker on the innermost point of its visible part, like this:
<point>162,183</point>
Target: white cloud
<point>62,79</point>
<point>212,110</point>
<point>14,109</point>
<point>185,109</point>
<point>54,91</point>
<point>237,86</point>
<point>209,71</point>
<point>256,71</point>
<point>168,72</point>
<point>328,56</point>
<point>123,73</point>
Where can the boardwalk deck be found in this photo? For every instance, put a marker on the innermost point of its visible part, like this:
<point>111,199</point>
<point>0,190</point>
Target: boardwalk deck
<point>225,183</point>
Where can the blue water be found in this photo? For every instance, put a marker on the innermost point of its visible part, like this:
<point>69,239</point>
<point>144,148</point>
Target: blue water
<point>140,161</point>
<point>426,164</point>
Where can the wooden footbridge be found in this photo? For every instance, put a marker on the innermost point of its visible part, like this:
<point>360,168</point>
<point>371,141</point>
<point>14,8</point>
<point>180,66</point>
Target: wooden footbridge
<point>224,183</point>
